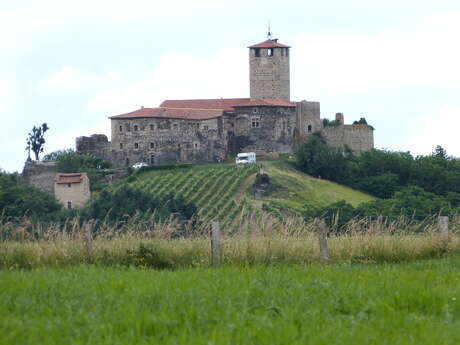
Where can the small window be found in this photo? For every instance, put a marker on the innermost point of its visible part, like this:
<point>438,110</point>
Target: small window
<point>152,127</point>
<point>121,145</point>
<point>309,129</point>
<point>206,127</point>
<point>121,128</point>
<point>198,125</point>
<point>255,124</point>
<point>175,126</point>
<point>257,52</point>
<point>69,185</point>
<point>69,204</point>
<point>178,145</point>
<point>270,52</point>
<point>127,161</point>
<point>152,159</point>
<point>136,145</point>
<point>136,128</point>
<point>152,145</point>
<point>196,145</point>
<point>255,110</point>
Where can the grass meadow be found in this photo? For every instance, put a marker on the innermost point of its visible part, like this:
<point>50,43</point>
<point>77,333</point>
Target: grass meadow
<point>385,283</point>
<point>412,303</point>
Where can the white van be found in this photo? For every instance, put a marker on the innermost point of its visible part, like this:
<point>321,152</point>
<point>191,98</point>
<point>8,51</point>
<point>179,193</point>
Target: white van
<point>246,158</point>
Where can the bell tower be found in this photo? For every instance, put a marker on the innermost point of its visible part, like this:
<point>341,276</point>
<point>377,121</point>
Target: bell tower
<point>269,70</point>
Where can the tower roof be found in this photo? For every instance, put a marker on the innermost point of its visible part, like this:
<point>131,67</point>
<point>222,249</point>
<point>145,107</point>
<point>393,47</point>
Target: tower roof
<point>270,43</point>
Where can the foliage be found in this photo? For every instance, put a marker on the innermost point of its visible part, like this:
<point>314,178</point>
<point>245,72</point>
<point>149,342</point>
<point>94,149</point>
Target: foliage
<point>17,200</point>
<point>36,139</point>
<point>411,202</point>
<point>68,161</point>
<point>318,159</point>
<point>126,201</point>
<point>330,123</point>
<point>362,121</point>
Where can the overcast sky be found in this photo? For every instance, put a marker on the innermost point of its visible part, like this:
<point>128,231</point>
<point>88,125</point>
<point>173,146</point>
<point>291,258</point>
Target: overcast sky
<point>73,64</point>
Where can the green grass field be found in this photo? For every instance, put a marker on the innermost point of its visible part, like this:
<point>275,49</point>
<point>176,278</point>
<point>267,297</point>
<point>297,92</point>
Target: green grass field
<point>221,191</point>
<point>415,303</point>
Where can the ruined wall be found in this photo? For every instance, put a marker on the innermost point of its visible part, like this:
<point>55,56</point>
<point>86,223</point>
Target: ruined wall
<point>308,119</point>
<point>358,137</point>
<point>269,75</point>
<point>262,129</point>
<point>165,140</point>
<point>40,175</point>
<point>78,194</point>
<point>96,145</point>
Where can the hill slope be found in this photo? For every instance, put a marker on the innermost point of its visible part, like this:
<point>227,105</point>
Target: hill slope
<point>221,191</point>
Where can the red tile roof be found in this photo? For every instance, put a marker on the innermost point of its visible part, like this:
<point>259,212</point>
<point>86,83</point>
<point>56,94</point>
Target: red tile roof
<point>174,113</point>
<point>266,102</point>
<point>69,178</point>
<point>269,44</point>
<point>216,103</point>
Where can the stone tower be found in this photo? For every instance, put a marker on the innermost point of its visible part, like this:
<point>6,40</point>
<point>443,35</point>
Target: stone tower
<point>269,70</point>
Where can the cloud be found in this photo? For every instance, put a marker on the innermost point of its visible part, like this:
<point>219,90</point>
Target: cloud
<point>431,130</point>
<point>338,63</point>
<point>178,76</point>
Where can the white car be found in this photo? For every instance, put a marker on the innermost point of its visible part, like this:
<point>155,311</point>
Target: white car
<point>139,165</point>
<point>246,158</point>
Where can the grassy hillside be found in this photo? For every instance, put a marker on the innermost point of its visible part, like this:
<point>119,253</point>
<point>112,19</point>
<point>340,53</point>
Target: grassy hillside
<point>221,191</point>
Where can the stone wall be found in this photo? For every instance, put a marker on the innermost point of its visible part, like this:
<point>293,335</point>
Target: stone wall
<point>308,119</point>
<point>40,175</point>
<point>269,75</point>
<point>96,145</point>
<point>358,138</point>
<point>262,129</point>
<point>166,140</point>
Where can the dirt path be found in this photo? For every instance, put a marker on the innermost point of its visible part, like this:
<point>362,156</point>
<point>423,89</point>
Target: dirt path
<point>246,183</point>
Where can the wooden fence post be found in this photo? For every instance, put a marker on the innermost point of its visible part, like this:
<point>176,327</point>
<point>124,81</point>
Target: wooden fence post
<point>215,244</point>
<point>322,234</point>
<point>443,226</point>
<point>88,229</point>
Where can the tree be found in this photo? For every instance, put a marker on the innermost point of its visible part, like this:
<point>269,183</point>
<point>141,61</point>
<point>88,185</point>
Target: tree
<point>36,140</point>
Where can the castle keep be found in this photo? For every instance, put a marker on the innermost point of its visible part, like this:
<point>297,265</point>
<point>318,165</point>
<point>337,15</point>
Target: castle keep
<point>208,130</point>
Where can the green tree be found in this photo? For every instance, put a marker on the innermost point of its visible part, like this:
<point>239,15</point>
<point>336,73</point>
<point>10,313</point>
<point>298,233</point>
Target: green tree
<point>36,140</point>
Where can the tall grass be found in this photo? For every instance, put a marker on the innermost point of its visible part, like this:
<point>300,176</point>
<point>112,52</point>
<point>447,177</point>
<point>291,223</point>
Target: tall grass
<point>250,239</point>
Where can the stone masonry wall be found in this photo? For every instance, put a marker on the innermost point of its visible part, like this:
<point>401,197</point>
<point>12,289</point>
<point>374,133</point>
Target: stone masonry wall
<point>262,129</point>
<point>96,145</point>
<point>165,140</point>
<point>359,137</point>
<point>308,119</point>
<point>269,75</point>
<point>40,175</point>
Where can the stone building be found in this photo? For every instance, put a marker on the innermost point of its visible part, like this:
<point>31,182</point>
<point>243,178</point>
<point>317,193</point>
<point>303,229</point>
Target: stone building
<point>207,130</point>
<point>72,190</point>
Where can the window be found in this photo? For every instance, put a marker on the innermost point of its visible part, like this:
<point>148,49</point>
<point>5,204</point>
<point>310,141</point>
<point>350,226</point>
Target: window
<point>206,127</point>
<point>196,145</point>
<point>136,145</point>
<point>175,126</point>
<point>121,145</point>
<point>309,129</point>
<point>198,125</point>
<point>270,52</point>
<point>255,124</point>
<point>178,145</point>
<point>152,159</point>
<point>152,145</point>
<point>121,128</point>
<point>257,52</point>
<point>136,128</point>
<point>152,127</point>
<point>69,185</point>
<point>127,161</point>
<point>69,204</point>
<point>255,110</point>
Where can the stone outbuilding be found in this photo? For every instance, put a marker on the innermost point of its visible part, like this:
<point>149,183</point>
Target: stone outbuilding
<point>72,190</point>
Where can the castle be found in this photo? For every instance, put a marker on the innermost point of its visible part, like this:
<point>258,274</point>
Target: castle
<point>208,130</point>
